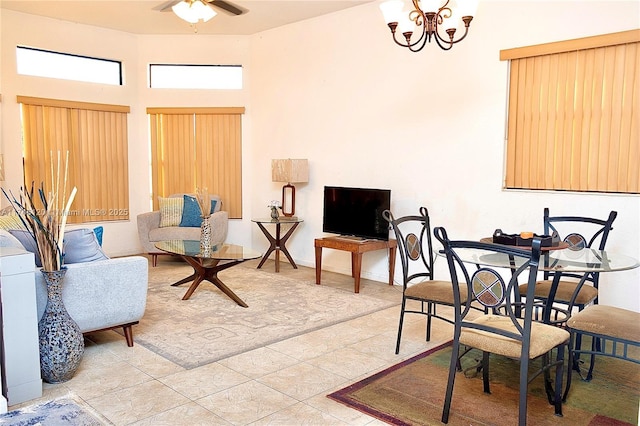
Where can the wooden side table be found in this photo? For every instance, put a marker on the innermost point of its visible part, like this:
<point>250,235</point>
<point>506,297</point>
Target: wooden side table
<point>278,242</point>
<point>356,248</point>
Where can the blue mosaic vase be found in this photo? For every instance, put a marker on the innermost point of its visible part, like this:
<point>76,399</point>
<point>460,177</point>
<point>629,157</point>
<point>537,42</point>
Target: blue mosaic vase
<point>61,341</point>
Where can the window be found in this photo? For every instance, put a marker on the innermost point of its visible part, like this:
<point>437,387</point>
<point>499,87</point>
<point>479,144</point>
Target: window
<point>95,135</point>
<point>165,76</point>
<point>65,66</point>
<point>573,118</point>
<point>197,147</point>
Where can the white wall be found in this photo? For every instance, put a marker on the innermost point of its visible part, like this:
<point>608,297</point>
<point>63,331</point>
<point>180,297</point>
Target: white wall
<point>428,125</point>
<point>336,90</point>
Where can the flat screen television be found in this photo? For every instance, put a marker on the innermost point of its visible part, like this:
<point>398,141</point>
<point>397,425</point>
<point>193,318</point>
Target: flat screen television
<point>356,212</point>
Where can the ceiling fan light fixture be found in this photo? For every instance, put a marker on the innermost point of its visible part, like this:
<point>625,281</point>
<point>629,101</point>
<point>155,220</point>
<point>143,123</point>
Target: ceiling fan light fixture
<point>193,11</point>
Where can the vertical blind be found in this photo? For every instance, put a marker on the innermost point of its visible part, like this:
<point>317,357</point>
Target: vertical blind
<point>95,135</point>
<point>197,147</point>
<point>573,115</point>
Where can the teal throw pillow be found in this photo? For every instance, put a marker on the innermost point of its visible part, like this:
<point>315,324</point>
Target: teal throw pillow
<point>191,216</point>
<point>99,230</point>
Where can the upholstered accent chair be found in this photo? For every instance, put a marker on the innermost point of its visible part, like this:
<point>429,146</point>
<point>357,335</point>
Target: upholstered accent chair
<point>98,292</point>
<point>177,219</point>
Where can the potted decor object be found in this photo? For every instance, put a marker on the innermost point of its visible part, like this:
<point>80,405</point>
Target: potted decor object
<point>274,205</point>
<point>204,202</point>
<point>44,215</point>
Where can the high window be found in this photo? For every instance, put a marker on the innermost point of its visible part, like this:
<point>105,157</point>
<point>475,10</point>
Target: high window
<point>197,147</point>
<point>95,135</point>
<point>66,66</point>
<point>574,115</point>
<point>167,76</point>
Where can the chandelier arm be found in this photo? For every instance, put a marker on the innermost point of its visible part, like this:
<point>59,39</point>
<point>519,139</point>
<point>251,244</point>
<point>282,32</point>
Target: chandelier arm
<point>422,40</point>
<point>449,41</point>
<point>443,44</point>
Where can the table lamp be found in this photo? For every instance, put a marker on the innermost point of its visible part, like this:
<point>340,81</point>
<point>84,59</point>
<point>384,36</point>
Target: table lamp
<point>289,171</point>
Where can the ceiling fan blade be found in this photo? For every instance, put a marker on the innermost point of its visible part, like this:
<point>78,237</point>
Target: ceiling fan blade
<point>166,6</point>
<point>225,5</point>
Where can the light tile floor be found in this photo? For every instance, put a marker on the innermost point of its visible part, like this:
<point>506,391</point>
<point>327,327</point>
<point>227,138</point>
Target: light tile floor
<point>285,383</point>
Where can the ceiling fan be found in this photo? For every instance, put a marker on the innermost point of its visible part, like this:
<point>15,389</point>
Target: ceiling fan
<point>177,6</point>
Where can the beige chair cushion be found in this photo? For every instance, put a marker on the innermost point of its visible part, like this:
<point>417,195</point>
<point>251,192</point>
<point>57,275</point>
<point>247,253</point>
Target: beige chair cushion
<point>543,337</point>
<point>586,295</point>
<point>436,291</point>
<point>608,321</point>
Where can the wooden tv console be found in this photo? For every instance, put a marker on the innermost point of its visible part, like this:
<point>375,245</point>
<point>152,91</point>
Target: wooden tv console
<point>356,247</point>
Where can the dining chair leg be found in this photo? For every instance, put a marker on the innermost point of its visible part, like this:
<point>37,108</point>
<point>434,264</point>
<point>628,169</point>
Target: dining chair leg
<point>404,303</point>
<point>595,347</point>
<point>455,349</point>
<point>485,372</point>
<point>570,368</point>
<point>558,386</point>
<point>524,385</point>
<point>430,311</point>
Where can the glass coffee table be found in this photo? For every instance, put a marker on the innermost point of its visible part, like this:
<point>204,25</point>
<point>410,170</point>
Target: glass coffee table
<point>207,264</point>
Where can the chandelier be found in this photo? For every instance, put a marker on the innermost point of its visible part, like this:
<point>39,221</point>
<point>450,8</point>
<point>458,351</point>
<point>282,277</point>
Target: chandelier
<point>193,11</point>
<point>431,19</point>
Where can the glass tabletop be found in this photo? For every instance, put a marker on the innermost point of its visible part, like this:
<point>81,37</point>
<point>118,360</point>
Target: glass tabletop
<point>191,248</point>
<point>567,260</point>
<point>281,219</point>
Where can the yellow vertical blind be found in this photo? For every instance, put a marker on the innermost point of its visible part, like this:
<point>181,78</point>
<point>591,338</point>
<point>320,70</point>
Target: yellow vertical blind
<point>95,135</point>
<point>197,147</point>
<point>573,115</point>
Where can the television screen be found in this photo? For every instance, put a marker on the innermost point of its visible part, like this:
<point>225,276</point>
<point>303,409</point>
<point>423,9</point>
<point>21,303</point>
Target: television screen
<point>356,212</point>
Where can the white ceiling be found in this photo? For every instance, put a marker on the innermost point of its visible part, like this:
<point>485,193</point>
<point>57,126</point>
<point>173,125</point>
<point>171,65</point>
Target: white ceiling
<point>145,17</point>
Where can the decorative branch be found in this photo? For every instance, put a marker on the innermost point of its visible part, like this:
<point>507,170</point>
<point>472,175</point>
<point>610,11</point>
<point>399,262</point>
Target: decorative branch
<point>204,201</point>
<point>46,220</point>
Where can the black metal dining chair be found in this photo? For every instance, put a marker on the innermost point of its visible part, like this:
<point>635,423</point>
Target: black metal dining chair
<point>614,332</point>
<point>508,328</point>
<point>578,232</point>
<point>413,234</point>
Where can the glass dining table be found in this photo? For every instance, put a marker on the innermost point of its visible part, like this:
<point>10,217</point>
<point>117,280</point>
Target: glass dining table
<point>567,260</point>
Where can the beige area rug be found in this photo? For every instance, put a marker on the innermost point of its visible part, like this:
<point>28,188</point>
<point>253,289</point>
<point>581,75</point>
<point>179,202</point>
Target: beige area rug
<point>210,326</point>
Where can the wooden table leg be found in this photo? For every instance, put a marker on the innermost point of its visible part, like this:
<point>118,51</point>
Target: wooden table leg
<point>282,245</point>
<point>272,245</point>
<point>318,264</point>
<point>209,272</point>
<point>392,264</point>
<point>277,244</point>
<point>357,267</point>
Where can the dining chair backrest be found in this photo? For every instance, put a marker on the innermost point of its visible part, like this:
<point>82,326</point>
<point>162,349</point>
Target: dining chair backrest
<point>488,286</point>
<point>579,232</point>
<point>413,234</point>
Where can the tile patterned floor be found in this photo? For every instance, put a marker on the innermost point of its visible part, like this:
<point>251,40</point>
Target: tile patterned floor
<point>285,383</point>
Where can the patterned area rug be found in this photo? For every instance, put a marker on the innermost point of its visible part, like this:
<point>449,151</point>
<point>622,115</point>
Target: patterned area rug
<point>412,393</point>
<point>210,326</point>
<point>59,412</point>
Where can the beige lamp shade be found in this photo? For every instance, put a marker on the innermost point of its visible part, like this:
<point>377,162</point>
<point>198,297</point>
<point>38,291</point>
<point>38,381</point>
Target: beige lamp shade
<point>290,171</point>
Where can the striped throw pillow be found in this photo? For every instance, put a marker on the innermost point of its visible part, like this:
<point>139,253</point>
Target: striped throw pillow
<point>170,211</point>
